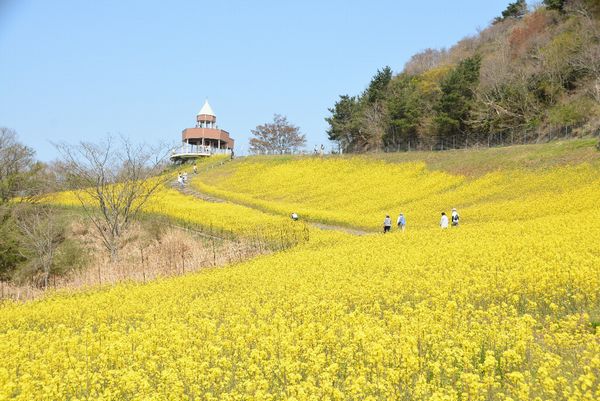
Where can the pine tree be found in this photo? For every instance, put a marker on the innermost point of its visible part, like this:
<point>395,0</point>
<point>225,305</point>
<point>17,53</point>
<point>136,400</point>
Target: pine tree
<point>379,83</point>
<point>457,96</point>
<point>514,10</point>
<point>554,4</point>
<point>343,123</point>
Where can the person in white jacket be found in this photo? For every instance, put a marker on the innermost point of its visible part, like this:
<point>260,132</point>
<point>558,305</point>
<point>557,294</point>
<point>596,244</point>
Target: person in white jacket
<point>444,221</point>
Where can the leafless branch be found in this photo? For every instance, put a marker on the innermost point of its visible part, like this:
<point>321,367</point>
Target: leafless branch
<point>113,180</point>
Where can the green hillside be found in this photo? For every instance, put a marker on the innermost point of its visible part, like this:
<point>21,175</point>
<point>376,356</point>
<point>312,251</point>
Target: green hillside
<point>532,75</point>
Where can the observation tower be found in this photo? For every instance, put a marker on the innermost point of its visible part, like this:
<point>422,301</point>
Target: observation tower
<point>205,139</point>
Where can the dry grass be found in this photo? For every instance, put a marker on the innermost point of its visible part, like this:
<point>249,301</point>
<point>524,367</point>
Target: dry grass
<point>476,162</point>
<point>146,255</point>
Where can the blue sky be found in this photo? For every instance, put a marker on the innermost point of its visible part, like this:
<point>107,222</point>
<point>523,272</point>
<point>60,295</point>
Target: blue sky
<point>78,70</point>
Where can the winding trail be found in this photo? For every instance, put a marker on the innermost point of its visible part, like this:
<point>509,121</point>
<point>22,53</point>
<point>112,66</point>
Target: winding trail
<point>188,190</point>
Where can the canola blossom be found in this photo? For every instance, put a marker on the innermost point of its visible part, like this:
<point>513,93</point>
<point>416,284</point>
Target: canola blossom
<point>505,307</point>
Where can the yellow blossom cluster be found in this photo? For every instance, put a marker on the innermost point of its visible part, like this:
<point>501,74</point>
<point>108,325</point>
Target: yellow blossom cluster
<point>504,307</point>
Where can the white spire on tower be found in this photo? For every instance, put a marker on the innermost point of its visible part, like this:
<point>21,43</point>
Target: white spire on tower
<point>206,109</point>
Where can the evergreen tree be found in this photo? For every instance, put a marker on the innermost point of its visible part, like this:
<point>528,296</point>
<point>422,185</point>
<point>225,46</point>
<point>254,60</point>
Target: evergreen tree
<point>555,4</point>
<point>455,103</point>
<point>343,123</point>
<point>405,108</point>
<point>514,10</point>
<point>377,87</point>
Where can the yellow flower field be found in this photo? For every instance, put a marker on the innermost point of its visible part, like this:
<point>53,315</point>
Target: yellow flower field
<point>505,307</point>
<point>360,192</point>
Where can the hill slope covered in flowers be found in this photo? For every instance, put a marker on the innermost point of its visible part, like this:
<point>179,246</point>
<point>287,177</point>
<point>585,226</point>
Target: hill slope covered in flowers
<point>360,191</point>
<point>505,307</point>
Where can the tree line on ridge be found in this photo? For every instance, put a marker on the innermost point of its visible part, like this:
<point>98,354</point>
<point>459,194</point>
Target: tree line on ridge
<point>532,75</point>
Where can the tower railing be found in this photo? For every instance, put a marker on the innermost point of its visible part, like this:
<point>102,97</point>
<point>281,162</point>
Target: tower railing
<point>192,150</point>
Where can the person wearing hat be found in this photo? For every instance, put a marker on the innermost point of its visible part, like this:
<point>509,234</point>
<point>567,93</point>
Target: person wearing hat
<point>455,217</point>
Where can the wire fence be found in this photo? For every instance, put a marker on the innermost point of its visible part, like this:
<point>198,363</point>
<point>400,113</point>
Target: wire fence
<point>471,141</point>
<point>414,143</point>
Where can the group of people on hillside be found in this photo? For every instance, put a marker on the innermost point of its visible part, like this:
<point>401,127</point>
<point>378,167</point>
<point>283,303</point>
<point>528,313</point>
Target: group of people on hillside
<point>320,151</point>
<point>182,179</point>
<point>401,221</point>
<point>454,217</point>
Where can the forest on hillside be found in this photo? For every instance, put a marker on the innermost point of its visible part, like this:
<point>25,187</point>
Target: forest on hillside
<point>530,76</point>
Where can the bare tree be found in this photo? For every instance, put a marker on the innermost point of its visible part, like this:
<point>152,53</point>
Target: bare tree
<point>425,60</point>
<point>373,125</point>
<point>17,166</point>
<point>587,60</point>
<point>278,137</point>
<point>113,181</point>
<point>41,234</point>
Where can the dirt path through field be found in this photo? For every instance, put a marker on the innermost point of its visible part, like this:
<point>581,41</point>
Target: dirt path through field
<point>190,191</point>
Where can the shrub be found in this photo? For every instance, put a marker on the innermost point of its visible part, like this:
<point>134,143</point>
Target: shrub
<point>570,114</point>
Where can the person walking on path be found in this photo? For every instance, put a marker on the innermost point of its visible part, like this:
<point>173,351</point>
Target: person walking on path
<point>401,222</point>
<point>195,169</point>
<point>180,180</point>
<point>454,217</point>
<point>387,224</point>
<point>294,216</point>
<point>444,221</point>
